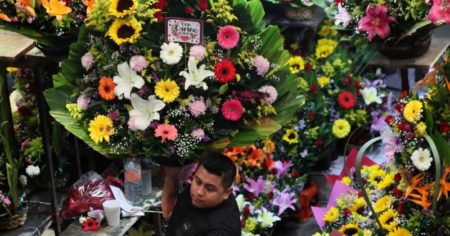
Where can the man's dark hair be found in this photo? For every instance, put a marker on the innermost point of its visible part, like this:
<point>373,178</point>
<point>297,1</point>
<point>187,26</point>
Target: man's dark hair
<point>218,164</point>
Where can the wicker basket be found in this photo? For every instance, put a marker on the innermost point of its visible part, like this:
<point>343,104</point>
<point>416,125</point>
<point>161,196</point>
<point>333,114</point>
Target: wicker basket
<point>8,222</point>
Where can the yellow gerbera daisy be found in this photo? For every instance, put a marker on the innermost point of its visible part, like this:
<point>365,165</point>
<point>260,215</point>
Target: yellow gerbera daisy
<point>100,128</point>
<point>412,111</point>
<point>387,220</point>
<point>341,128</point>
<point>331,215</point>
<point>291,136</point>
<point>323,81</point>
<point>421,128</point>
<point>120,8</point>
<point>167,90</point>
<point>296,64</point>
<point>349,229</point>
<point>359,206</point>
<point>125,30</point>
<point>383,204</point>
<point>400,232</point>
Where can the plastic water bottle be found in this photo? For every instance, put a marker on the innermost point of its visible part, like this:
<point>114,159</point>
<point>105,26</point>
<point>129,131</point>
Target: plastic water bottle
<point>147,165</point>
<point>133,181</point>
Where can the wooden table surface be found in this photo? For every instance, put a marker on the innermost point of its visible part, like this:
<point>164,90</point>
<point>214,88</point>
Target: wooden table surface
<point>13,46</point>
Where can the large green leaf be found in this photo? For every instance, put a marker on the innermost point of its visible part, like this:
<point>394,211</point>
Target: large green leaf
<point>442,146</point>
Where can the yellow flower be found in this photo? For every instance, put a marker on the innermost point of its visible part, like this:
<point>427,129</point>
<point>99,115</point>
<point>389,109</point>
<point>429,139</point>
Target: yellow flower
<point>120,8</point>
<point>383,204</point>
<point>11,69</point>
<point>359,206</point>
<point>125,30</point>
<point>323,81</point>
<point>291,136</point>
<point>167,90</point>
<point>387,220</point>
<point>74,110</point>
<point>250,224</point>
<point>341,128</point>
<point>400,232</point>
<point>296,64</point>
<point>325,47</point>
<point>412,111</point>
<point>386,181</point>
<point>100,128</point>
<point>349,229</point>
<point>346,180</point>
<point>331,215</point>
<point>421,128</point>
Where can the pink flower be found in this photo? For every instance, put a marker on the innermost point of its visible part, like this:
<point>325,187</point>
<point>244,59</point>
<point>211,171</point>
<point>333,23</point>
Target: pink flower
<point>4,199</point>
<point>440,12</point>
<point>87,60</point>
<point>198,133</point>
<point>197,107</point>
<point>138,63</point>
<point>132,123</point>
<point>262,65</point>
<point>232,110</point>
<point>376,22</point>
<point>228,37</point>
<point>198,52</point>
<point>270,93</point>
<point>83,101</point>
<point>343,16</point>
<point>166,131</point>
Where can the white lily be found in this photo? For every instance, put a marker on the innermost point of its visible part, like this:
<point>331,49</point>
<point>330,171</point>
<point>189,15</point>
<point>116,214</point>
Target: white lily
<point>126,81</point>
<point>145,111</point>
<point>240,200</point>
<point>370,95</point>
<point>267,218</point>
<point>195,76</point>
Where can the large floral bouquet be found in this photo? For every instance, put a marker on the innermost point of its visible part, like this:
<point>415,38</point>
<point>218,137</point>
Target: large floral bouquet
<point>267,187</point>
<point>337,101</point>
<point>133,86</point>
<point>47,21</point>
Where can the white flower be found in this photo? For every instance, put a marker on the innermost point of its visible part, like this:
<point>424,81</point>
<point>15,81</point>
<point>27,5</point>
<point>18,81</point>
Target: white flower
<point>421,159</point>
<point>195,76</point>
<point>23,180</point>
<point>171,53</point>
<point>32,170</point>
<point>126,81</point>
<point>240,200</point>
<point>87,60</point>
<point>370,95</point>
<point>342,17</point>
<point>14,98</point>
<point>266,218</point>
<point>145,111</point>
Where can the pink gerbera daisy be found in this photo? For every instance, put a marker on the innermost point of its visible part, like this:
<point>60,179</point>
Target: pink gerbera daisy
<point>166,131</point>
<point>232,110</point>
<point>228,37</point>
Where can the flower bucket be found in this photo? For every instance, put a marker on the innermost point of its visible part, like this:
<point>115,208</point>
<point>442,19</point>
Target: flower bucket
<point>299,13</point>
<point>9,222</point>
<point>413,47</point>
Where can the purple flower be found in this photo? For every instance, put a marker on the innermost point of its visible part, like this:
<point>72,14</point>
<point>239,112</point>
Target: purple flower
<point>114,115</point>
<point>378,122</point>
<point>284,201</point>
<point>255,187</point>
<point>281,167</point>
<point>138,63</point>
<point>262,65</point>
<point>198,133</point>
<point>197,107</point>
<point>87,60</point>
<point>390,143</point>
<point>270,93</point>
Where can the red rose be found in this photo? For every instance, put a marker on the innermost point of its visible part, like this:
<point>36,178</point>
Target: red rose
<point>397,193</point>
<point>389,119</point>
<point>346,100</point>
<point>400,208</point>
<point>398,107</point>
<point>294,174</point>
<point>347,80</point>
<point>246,211</point>
<point>188,10</point>
<point>224,71</point>
<point>161,4</point>
<point>311,116</point>
<point>403,94</point>
<point>308,67</point>
<point>347,212</point>
<point>313,88</point>
<point>397,178</point>
<point>318,143</point>
<point>357,85</point>
<point>270,195</point>
<point>203,5</point>
<point>444,127</point>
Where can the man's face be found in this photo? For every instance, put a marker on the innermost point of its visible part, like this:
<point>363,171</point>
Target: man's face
<point>207,190</point>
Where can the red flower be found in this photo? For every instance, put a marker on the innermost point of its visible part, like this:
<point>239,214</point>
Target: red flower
<point>403,126</point>
<point>444,127</point>
<point>397,193</point>
<point>159,16</point>
<point>346,100</point>
<point>357,85</point>
<point>224,71</point>
<point>397,178</point>
<point>90,225</point>
<point>311,115</point>
<point>313,88</point>
<point>246,211</point>
<point>270,195</point>
<point>339,1</point>
<point>403,94</point>
<point>161,4</point>
<point>389,119</point>
<point>318,143</point>
<point>347,212</point>
<point>203,5</point>
<point>398,107</point>
<point>347,80</point>
<point>308,67</point>
<point>294,174</point>
<point>232,110</point>
<point>188,10</point>
<point>400,208</point>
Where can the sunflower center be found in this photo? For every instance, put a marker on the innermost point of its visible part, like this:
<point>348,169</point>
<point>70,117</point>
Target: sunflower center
<point>291,136</point>
<point>351,231</point>
<point>295,66</point>
<point>360,210</point>
<point>125,31</point>
<point>123,5</point>
<point>390,220</point>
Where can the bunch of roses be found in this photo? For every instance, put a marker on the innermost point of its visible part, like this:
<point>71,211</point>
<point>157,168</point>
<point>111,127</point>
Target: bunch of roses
<point>139,95</point>
<point>267,187</point>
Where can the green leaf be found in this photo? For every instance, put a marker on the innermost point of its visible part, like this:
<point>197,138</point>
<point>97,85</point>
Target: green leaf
<point>223,89</point>
<point>414,28</point>
<point>442,146</point>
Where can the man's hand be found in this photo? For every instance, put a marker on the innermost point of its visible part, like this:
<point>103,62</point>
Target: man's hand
<point>170,190</point>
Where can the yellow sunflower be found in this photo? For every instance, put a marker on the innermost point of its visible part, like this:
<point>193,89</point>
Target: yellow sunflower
<point>121,8</point>
<point>386,181</point>
<point>341,128</point>
<point>400,232</point>
<point>325,47</point>
<point>167,90</point>
<point>125,30</point>
<point>349,229</point>
<point>323,81</point>
<point>331,215</point>
<point>412,111</point>
<point>387,220</point>
<point>291,136</point>
<point>100,128</point>
<point>359,206</point>
<point>383,204</point>
<point>296,64</point>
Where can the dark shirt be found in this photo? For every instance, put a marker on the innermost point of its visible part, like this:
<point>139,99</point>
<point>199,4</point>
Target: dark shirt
<point>187,220</point>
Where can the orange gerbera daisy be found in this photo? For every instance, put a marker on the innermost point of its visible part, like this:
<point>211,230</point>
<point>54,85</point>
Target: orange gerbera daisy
<point>269,146</point>
<point>106,89</point>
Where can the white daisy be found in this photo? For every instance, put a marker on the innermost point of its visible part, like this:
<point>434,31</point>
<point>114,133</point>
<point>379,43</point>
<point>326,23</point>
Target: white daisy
<point>421,159</point>
<point>32,170</point>
<point>171,53</point>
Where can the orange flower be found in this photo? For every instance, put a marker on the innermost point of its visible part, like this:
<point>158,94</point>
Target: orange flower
<point>234,152</point>
<point>106,89</point>
<point>269,162</point>
<point>26,8</point>
<point>4,17</point>
<point>269,146</point>
<point>56,8</point>
<point>254,157</point>
<point>412,185</point>
<point>445,186</point>
<point>89,4</point>
<point>422,198</point>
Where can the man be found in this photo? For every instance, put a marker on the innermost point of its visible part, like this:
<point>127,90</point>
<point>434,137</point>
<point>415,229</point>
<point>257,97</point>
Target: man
<point>207,207</point>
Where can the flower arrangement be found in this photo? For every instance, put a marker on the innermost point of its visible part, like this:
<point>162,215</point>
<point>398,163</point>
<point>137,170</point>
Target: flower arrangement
<point>337,101</point>
<point>46,21</point>
<point>267,187</point>
<point>135,93</point>
<point>389,22</point>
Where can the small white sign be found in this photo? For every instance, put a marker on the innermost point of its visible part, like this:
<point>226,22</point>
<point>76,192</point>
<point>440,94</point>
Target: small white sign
<point>182,30</point>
